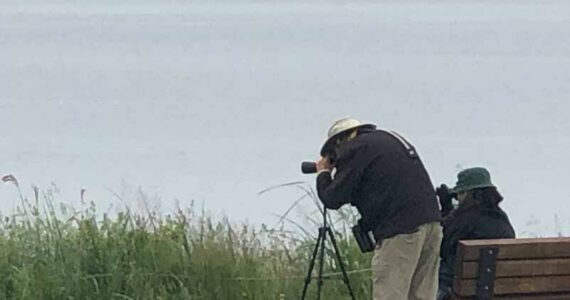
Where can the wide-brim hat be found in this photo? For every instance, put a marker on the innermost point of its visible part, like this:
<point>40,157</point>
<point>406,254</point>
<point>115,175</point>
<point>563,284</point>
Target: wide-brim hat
<point>338,128</point>
<point>472,178</point>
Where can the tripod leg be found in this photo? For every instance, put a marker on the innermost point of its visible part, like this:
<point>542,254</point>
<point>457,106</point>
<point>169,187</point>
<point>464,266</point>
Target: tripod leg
<point>341,264</point>
<point>323,233</point>
<point>312,263</point>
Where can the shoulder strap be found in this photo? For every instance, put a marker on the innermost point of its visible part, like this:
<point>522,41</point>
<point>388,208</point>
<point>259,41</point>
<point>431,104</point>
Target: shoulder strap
<point>410,149</point>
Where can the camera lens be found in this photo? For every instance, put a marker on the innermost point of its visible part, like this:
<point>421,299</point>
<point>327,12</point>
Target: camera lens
<point>308,167</point>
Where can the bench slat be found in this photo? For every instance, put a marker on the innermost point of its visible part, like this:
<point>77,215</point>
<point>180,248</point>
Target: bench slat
<point>524,285</point>
<point>519,268</point>
<point>535,248</point>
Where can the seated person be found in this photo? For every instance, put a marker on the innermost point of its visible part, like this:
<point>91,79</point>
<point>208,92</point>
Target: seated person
<point>477,216</point>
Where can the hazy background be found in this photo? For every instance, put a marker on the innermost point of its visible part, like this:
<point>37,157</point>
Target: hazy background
<point>215,101</point>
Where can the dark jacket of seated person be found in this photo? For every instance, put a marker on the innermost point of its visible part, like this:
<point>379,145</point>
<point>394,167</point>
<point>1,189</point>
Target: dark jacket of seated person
<point>478,216</point>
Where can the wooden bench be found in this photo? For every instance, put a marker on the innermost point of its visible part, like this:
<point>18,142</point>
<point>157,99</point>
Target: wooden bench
<point>526,269</point>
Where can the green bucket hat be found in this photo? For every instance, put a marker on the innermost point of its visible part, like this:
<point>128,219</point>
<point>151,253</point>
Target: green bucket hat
<point>472,178</point>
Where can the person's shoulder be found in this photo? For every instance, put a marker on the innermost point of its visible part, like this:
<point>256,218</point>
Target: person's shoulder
<point>494,213</point>
<point>360,145</point>
<point>368,137</point>
<point>494,223</point>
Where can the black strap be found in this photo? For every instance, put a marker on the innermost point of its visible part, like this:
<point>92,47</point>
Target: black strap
<point>410,149</point>
<point>487,271</point>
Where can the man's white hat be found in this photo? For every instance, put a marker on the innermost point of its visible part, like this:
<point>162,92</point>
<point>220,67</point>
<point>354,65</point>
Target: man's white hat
<point>339,127</point>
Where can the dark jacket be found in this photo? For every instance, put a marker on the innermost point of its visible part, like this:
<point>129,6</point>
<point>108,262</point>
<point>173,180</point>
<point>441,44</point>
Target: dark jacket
<point>471,221</point>
<point>383,177</point>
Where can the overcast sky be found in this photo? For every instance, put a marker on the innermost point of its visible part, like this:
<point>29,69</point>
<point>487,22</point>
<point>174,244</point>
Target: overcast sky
<point>215,102</point>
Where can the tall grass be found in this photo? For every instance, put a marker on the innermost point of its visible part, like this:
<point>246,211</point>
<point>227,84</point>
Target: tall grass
<point>57,253</point>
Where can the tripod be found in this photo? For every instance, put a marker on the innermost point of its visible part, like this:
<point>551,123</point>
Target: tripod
<point>323,231</point>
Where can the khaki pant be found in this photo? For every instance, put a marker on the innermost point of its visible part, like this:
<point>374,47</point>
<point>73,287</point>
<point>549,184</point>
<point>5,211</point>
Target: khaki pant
<point>406,266</point>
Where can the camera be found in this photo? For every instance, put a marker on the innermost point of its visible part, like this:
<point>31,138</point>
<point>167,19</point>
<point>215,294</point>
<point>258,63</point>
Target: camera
<point>309,167</point>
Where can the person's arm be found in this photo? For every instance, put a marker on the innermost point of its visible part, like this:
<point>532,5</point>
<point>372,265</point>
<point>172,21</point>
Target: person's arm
<point>331,192</point>
<point>337,191</point>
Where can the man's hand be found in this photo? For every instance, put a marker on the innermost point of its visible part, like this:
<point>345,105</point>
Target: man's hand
<point>445,198</point>
<point>324,164</point>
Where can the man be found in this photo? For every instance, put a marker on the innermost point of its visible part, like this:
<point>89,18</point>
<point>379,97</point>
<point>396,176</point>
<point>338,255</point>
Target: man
<point>381,174</point>
<point>478,216</point>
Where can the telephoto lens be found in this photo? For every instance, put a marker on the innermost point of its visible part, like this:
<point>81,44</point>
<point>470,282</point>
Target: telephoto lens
<point>309,167</point>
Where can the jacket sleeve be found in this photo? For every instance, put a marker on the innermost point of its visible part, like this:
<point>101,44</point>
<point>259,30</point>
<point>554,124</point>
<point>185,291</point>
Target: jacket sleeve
<point>337,191</point>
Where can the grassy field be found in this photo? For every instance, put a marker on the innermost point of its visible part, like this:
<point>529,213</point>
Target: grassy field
<point>57,253</point>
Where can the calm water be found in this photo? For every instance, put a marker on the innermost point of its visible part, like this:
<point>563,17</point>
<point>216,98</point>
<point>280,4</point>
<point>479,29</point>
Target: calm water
<point>215,102</point>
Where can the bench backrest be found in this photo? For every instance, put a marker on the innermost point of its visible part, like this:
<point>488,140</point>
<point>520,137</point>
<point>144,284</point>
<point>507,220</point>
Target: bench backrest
<point>513,269</point>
